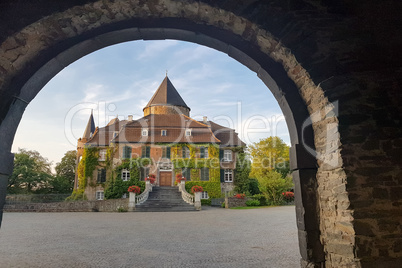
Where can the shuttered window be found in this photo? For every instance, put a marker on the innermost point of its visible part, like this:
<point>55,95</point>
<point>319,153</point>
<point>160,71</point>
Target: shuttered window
<point>186,172</point>
<point>126,152</point>
<point>101,175</point>
<point>205,174</point>
<point>166,152</point>
<point>146,151</point>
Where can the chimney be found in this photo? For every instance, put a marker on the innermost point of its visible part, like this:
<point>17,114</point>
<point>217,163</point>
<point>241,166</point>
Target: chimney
<point>205,119</point>
<point>130,118</point>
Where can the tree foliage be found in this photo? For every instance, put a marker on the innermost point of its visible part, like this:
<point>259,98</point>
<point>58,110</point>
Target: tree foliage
<point>31,173</point>
<point>243,182</point>
<point>63,182</point>
<point>273,185</point>
<point>270,166</point>
<point>267,155</point>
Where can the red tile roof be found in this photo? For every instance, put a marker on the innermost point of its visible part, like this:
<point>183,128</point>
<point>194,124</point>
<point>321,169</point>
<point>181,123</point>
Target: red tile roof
<point>175,126</point>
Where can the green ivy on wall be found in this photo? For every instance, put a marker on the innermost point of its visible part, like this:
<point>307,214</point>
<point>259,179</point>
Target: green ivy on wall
<point>116,187</point>
<point>87,165</point>
<point>213,188</point>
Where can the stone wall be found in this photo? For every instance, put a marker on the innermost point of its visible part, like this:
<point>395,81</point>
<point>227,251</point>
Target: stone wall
<point>236,202</point>
<point>111,205</point>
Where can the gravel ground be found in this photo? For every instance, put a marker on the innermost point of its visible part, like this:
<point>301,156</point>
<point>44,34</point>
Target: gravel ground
<point>214,237</point>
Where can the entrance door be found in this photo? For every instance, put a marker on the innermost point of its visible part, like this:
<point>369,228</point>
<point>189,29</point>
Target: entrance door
<point>165,178</point>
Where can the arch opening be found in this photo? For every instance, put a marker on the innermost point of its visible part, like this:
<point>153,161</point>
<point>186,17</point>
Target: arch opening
<point>24,87</point>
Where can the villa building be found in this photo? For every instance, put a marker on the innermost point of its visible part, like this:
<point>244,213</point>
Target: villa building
<point>165,142</point>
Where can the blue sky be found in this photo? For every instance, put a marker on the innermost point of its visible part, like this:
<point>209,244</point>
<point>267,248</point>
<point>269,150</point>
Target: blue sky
<point>120,80</point>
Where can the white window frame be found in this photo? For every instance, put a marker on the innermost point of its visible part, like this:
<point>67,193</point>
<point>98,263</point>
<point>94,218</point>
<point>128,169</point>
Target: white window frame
<point>102,155</point>
<point>144,132</point>
<point>187,152</point>
<point>125,175</point>
<point>204,195</point>
<point>163,132</point>
<point>228,175</point>
<point>100,195</point>
<point>227,155</point>
<point>188,132</point>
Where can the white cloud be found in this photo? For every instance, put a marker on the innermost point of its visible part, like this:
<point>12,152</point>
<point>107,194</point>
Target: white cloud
<point>153,49</point>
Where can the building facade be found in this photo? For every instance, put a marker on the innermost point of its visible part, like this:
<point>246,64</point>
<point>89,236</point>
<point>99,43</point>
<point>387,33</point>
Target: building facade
<point>166,143</point>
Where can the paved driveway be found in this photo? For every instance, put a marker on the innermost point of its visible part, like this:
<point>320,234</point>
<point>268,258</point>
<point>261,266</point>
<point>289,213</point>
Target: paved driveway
<point>213,237</point>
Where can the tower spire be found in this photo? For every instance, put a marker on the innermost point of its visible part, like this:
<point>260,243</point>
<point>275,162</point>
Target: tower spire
<point>90,128</point>
<point>166,98</point>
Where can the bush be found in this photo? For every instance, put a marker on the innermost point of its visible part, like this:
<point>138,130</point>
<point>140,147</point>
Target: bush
<point>205,202</point>
<point>252,203</point>
<point>261,198</point>
<point>77,195</point>
<point>223,205</point>
<point>121,209</point>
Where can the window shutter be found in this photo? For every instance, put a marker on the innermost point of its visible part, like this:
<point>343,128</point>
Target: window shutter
<point>222,175</point>
<point>143,151</point>
<point>163,152</point>
<point>168,152</point>
<point>220,154</point>
<point>202,152</point>
<point>127,152</point>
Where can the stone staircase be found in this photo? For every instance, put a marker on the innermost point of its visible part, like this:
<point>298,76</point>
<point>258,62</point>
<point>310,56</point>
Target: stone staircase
<point>164,199</point>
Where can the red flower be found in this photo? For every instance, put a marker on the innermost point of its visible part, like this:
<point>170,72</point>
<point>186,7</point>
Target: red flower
<point>197,188</point>
<point>179,178</point>
<point>151,179</point>
<point>134,189</point>
<point>240,196</point>
<point>289,196</point>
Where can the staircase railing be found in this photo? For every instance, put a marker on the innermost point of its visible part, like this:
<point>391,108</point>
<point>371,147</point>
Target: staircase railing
<point>144,196</point>
<point>188,198</point>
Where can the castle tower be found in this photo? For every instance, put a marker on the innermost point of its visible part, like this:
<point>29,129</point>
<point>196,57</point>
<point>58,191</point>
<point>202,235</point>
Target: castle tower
<point>166,100</point>
<point>88,133</point>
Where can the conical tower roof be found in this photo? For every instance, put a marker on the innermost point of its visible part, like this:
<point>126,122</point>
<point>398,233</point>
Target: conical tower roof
<point>90,129</point>
<point>166,95</point>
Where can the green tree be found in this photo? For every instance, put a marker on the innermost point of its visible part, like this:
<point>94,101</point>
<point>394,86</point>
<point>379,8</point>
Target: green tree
<point>272,185</point>
<point>63,182</point>
<point>242,172</point>
<point>31,173</point>
<point>270,154</point>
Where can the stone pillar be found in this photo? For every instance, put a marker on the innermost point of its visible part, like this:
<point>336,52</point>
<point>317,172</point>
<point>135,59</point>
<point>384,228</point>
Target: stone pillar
<point>6,168</point>
<point>197,200</point>
<point>226,200</point>
<point>131,201</point>
<point>148,186</point>
<point>307,209</point>
<point>182,186</point>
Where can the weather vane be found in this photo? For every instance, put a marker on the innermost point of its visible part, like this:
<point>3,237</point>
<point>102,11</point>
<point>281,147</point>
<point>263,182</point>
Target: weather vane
<point>166,72</point>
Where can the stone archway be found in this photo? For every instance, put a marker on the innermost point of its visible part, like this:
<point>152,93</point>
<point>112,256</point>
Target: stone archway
<point>32,55</point>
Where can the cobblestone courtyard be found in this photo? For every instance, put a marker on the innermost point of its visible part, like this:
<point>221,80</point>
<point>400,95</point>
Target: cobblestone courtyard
<point>213,237</point>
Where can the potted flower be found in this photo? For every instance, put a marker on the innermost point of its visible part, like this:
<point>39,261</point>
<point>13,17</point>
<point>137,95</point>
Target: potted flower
<point>151,178</point>
<point>196,189</point>
<point>179,178</point>
<point>134,189</point>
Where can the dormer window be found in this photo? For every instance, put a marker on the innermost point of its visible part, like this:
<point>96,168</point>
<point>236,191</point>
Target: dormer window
<point>115,134</point>
<point>163,132</point>
<point>188,132</point>
<point>144,132</point>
